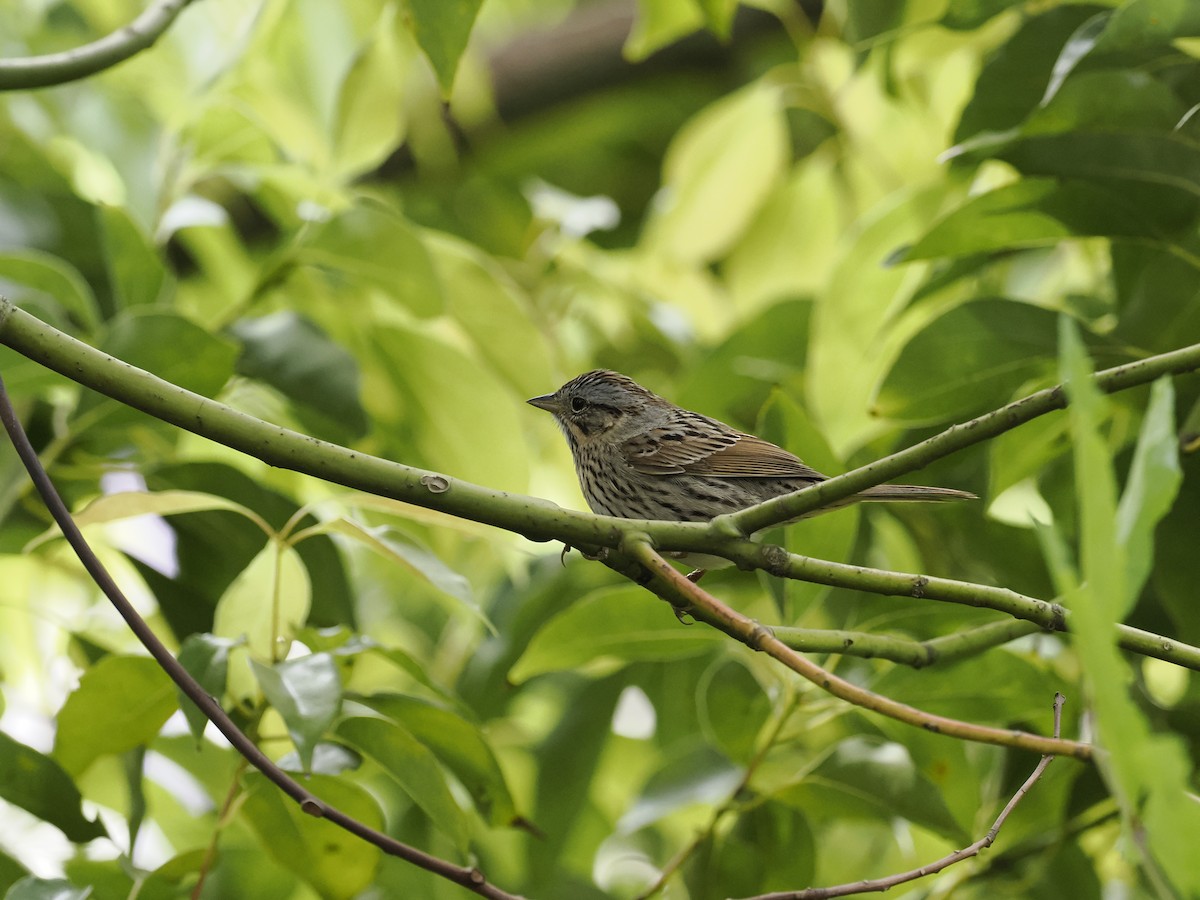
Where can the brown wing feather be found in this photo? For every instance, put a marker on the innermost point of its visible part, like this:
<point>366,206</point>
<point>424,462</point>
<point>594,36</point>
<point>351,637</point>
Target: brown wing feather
<point>703,446</point>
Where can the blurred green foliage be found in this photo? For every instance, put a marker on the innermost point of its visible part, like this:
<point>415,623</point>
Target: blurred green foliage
<point>388,223</point>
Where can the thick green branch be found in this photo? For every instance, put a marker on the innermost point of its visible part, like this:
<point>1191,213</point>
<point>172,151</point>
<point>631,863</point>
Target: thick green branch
<point>538,520</point>
<point>907,651</point>
<point>71,65</point>
<point>953,439</point>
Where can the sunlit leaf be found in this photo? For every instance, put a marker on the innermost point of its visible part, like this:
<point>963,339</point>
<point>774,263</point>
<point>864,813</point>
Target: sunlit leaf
<point>1148,795</point>
<point>264,606</point>
<point>374,246</point>
<point>121,703</point>
<point>129,504</point>
<point>719,171</point>
<point>32,888</point>
<point>370,120</point>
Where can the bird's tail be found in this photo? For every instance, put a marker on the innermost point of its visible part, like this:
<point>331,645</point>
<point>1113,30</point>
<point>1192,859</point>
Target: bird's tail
<point>913,492</point>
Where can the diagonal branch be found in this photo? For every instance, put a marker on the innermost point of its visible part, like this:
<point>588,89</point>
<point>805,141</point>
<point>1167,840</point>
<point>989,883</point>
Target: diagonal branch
<point>676,588</point>
<point>470,878</point>
<point>953,439</point>
<point>80,62</point>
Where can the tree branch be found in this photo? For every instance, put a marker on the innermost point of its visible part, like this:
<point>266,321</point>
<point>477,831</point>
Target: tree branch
<point>541,520</point>
<point>907,651</point>
<point>470,878</point>
<point>955,438</point>
<point>677,589</point>
<point>80,62</point>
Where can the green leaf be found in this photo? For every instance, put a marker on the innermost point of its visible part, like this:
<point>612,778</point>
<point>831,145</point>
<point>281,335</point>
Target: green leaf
<point>1169,161</point>
<point>722,166</point>
<point>265,605</point>
<point>301,361</point>
<point>872,779</point>
<point>135,268</point>
<point>1142,24</point>
<point>130,504</point>
<point>697,775</point>
<point>1119,100</point>
<point>458,744</point>
<point>121,703</point>
<point>771,847</point>
<point>413,766</point>
<point>495,314</point>
<point>32,888</point>
<point>972,357</point>
<point>337,864</point>
<point>609,628</point>
<point>1001,689</point>
<point>831,537</point>
<point>48,286</point>
<point>442,28</point>
<point>718,16</point>
<point>373,246</point>
<point>1032,213</point>
<point>1148,795</point>
<point>1013,80</point>
<point>307,693</point>
<point>1074,50</point>
<point>431,411</point>
<point>965,15</point>
<point>206,658</point>
<point>733,707</point>
<point>392,544</point>
<point>659,23</point>
<point>1154,479</point>
<point>370,111</point>
<point>39,785</point>
<point>152,339</point>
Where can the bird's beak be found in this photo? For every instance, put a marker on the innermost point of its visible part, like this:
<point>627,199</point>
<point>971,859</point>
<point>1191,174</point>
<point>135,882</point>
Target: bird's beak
<point>548,402</point>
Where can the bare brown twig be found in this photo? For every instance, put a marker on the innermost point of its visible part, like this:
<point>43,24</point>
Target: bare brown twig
<point>677,589</point>
<point>883,884</point>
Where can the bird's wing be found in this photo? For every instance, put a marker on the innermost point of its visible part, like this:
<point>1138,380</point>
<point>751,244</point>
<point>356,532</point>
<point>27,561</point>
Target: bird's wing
<point>703,446</point>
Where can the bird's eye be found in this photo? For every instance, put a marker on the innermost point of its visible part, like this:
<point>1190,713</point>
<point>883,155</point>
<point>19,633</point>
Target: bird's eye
<point>578,404</point>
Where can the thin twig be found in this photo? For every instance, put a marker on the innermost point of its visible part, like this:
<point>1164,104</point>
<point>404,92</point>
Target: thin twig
<point>470,878</point>
<point>142,33</point>
<point>687,594</point>
<point>883,884</point>
<point>731,800</point>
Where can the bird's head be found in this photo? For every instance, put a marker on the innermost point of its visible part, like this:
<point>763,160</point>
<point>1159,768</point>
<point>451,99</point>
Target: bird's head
<point>596,405</point>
